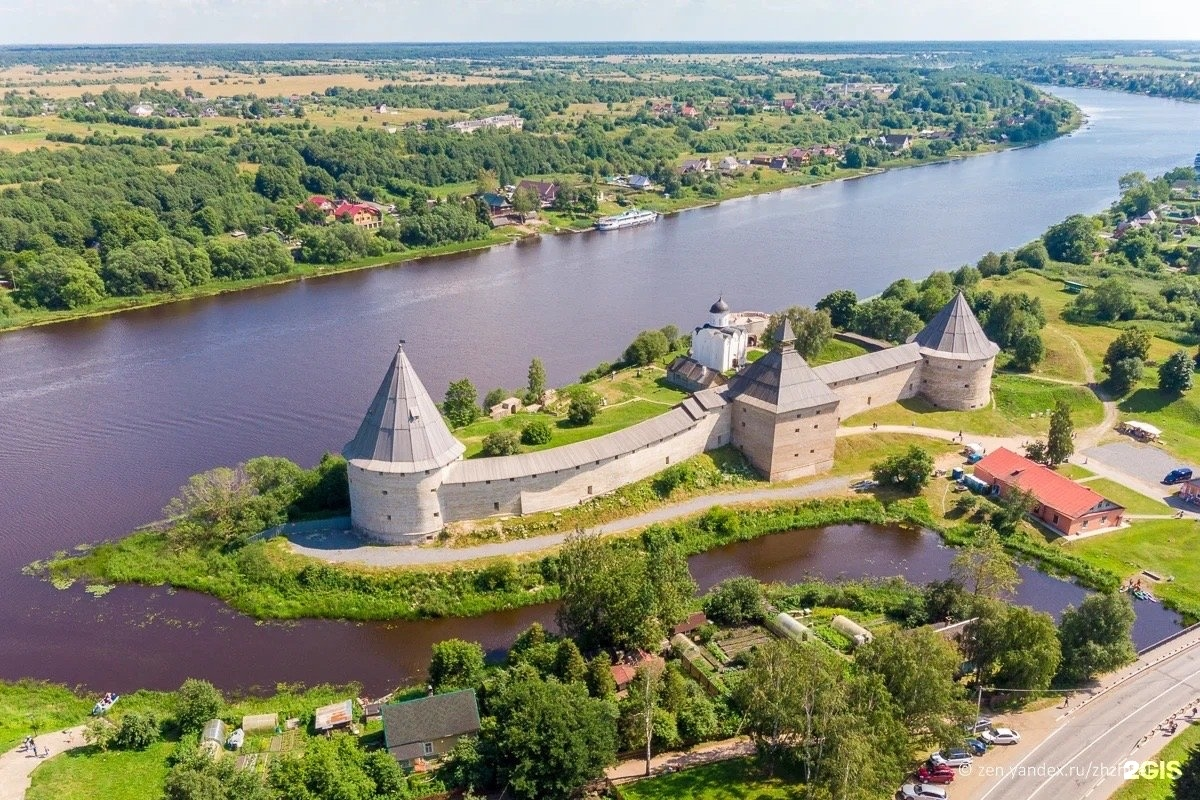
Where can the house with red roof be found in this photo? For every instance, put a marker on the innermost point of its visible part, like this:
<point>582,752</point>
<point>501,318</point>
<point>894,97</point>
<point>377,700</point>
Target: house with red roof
<point>364,215</point>
<point>1064,505</point>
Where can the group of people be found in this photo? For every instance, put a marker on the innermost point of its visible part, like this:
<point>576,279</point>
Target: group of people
<point>29,744</point>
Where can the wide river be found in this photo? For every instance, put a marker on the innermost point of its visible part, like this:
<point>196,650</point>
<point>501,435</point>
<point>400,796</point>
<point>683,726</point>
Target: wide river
<point>101,420</point>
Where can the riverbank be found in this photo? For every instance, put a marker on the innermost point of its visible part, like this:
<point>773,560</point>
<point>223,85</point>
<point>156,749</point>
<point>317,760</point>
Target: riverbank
<point>559,223</point>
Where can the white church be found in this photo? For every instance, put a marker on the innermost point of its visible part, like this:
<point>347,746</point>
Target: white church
<point>718,346</point>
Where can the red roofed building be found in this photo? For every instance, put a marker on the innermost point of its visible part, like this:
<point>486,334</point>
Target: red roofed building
<point>361,214</point>
<point>1063,504</point>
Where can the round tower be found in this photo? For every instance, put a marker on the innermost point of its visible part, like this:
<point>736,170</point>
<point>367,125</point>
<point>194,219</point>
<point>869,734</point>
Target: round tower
<point>397,461</point>
<point>718,313</point>
<point>958,359</point>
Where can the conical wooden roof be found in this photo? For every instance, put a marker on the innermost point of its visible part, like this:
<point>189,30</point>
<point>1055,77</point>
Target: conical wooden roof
<point>954,332</point>
<point>403,430</point>
<point>782,380</point>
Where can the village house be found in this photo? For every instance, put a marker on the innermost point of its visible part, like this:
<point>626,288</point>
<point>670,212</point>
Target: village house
<point>729,164</point>
<point>141,109</point>
<point>640,182</point>
<point>363,215</point>
<point>429,727</point>
<point>896,142</point>
<point>547,192</point>
<point>779,163</point>
<point>689,111</point>
<point>696,165</point>
<point>1063,504</point>
<point>334,716</point>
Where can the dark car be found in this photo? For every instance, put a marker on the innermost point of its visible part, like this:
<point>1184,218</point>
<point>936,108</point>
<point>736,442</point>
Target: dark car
<point>977,746</point>
<point>1178,475</point>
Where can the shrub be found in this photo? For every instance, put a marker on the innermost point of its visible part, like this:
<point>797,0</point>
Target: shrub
<point>136,732</point>
<point>735,601</point>
<point>197,702</point>
<point>501,443</point>
<point>585,405</point>
<point>536,432</point>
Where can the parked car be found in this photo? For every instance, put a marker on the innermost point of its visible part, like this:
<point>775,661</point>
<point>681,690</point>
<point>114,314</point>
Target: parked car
<point>935,775</point>
<point>1178,475</point>
<point>980,725</point>
<point>921,791</point>
<point>1000,736</point>
<point>978,747</point>
<point>955,757</point>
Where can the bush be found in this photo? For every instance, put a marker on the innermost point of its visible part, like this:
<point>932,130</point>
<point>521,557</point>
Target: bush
<point>721,521</point>
<point>735,601</point>
<point>136,732</point>
<point>585,405</point>
<point>501,443</point>
<point>197,702</point>
<point>536,432</point>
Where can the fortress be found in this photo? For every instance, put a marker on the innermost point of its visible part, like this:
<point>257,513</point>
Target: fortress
<point>408,478</point>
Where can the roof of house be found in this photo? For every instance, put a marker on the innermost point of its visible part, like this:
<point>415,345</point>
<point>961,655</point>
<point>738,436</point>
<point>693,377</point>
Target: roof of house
<point>344,207</point>
<point>1051,489</point>
<point>955,332</point>
<point>494,200</point>
<point>544,189</point>
<point>407,726</point>
<point>403,430</point>
<point>850,369</point>
<point>781,380</point>
<point>693,371</point>
<point>334,714</point>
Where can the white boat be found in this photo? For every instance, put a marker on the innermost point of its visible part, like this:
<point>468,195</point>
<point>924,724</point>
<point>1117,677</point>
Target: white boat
<point>627,219</point>
<point>104,704</point>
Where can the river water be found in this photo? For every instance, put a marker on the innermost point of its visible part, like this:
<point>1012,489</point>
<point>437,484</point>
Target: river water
<point>102,419</point>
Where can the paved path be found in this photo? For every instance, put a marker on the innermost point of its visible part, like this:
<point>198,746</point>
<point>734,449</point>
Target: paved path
<point>708,753</point>
<point>343,548</point>
<point>16,766</point>
<point>1080,752</point>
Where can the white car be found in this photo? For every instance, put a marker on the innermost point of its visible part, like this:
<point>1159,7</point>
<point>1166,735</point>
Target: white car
<point>951,758</point>
<point>922,791</point>
<point>1000,736</point>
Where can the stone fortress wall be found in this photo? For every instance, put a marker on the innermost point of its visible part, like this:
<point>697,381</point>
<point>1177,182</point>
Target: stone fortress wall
<point>779,412</point>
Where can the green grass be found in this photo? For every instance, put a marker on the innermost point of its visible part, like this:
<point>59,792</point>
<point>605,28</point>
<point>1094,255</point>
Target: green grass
<point>1178,749</point>
<point>855,454</point>
<point>739,779</point>
<point>837,350</point>
<point>27,706</point>
<point>87,773</point>
<point>1178,417</point>
<point>1074,471</point>
<point>1165,547</point>
<point>1134,502</point>
<point>1020,407</point>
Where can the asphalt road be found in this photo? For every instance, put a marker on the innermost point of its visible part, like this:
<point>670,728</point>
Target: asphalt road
<point>1088,752</point>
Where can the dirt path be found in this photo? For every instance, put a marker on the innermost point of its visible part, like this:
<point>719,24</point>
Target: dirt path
<point>708,753</point>
<point>17,765</point>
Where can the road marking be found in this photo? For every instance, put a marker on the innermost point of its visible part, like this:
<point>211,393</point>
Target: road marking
<point>1012,770</point>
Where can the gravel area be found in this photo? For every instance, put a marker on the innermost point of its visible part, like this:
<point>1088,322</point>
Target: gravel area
<point>1144,462</point>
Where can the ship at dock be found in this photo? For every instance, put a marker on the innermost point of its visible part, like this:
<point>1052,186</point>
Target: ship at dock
<point>627,219</point>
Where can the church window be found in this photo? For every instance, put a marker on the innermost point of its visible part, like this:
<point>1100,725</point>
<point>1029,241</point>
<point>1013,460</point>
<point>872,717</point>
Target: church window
<point>385,491</point>
<point>960,366</point>
<point>812,451</point>
<point>797,431</point>
<point>434,489</point>
<point>966,386</point>
<point>868,400</point>
<point>489,483</point>
<point>496,506</point>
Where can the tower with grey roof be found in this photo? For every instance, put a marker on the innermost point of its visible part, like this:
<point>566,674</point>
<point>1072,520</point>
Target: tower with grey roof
<point>957,357</point>
<point>397,461</point>
<point>784,417</point>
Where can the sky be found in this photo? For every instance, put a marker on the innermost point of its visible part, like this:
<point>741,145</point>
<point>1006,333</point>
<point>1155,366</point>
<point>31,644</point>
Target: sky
<point>189,21</point>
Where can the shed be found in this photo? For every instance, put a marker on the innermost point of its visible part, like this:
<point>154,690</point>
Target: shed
<point>1073,287</point>
<point>254,723</point>
<point>856,632</point>
<point>334,715</point>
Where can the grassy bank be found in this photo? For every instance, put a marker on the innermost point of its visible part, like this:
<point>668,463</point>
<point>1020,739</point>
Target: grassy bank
<point>739,779</point>
<point>27,706</point>
<point>1180,750</point>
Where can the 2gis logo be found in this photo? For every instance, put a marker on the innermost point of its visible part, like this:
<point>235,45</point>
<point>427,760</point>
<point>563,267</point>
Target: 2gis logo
<point>1151,770</point>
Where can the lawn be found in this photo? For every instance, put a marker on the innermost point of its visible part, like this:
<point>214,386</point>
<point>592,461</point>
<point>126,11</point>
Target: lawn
<point>1179,418</point>
<point>837,350</point>
<point>27,706</point>
<point>86,773</point>
<point>853,455</point>
<point>1020,407</point>
<point>740,779</point>
<point>1178,749</point>
<point>1134,502</point>
<point>1166,547</point>
<point>1073,471</point>
<point>633,396</point>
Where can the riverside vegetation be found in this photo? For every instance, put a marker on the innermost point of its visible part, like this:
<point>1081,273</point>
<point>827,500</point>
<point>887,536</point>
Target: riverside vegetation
<point>102,208</point>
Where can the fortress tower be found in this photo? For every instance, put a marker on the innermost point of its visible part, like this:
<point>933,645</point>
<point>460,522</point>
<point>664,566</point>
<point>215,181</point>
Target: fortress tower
<point>783,417</point>
<point>398,459</point>
<point>957,356</point>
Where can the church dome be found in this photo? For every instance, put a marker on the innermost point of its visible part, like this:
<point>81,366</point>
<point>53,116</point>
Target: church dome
<point>719,307</point>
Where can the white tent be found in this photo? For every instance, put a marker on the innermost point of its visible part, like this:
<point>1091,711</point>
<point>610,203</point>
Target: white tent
<point>1144,428</point>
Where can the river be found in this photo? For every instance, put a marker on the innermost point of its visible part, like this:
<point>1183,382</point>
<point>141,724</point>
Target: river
<point>102,419</point>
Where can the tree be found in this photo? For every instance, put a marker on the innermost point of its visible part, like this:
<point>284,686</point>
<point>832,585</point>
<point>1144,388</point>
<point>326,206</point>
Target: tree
<point>1033,255</point>
<point>1096,637</point>
<point>494,397</point>
<point>672,334</point>
<point>599,678</point>
<point>1036,451</point>
<point>1059,442</point>
<point>1073,240</point>
<point>1013,646</point>
<point>569,666</point>
<point>811,328</point>
<point>137,731</point>
<point>537,380</point>
<point>1130,343</point>
<point>648,347</point>
<point>526,201</point>
<point>840,305</point>
<point>584,406</point>
<point>909,470</point>
<point>1124,375</point>
<point>339,767</point>
<point>504,442</point>
<point>196,702</point>
<point>918,668</point>
<point>984,568</point>
<point>1028,351</point>
<point>735,601</point>
<point>1175,374</point>
<point>886,319</point>
<point>549,738</point>
<point>461,406</point>
<point>1187,784</point>
<point>536,432</point>
<point>58,281</point>
<point>456,664</point>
